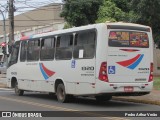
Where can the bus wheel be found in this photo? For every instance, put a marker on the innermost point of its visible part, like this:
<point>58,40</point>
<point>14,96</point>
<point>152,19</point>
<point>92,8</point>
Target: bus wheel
<point>17,90</point>
<point>103,98</point>
<point>61,93</point>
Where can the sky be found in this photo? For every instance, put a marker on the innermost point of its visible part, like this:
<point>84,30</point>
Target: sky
<point>22,6</point>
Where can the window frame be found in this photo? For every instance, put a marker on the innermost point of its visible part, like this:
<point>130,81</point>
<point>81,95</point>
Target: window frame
<point>34,39</point>
<point>95,43</point>
<point>54,43</point>
<point>71,46</point>
<point>25,51</point>
<point>18,52</point>
<point>129,31</point>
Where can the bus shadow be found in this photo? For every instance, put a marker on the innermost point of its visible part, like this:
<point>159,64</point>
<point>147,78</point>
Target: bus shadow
<point>87,101</point>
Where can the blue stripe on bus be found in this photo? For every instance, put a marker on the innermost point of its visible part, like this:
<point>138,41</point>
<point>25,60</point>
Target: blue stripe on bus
<point>43,72</point>
<point>135,64</point>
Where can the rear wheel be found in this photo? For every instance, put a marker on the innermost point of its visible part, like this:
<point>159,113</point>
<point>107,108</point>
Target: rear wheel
<point>103,98</point>
<point>61,93</point>
<point>17,90</point>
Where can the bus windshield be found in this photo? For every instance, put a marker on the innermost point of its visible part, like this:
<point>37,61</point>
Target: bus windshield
<point>128,39</point>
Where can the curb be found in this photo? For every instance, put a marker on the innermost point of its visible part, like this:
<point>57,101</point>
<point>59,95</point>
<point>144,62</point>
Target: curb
<point>137,101</point>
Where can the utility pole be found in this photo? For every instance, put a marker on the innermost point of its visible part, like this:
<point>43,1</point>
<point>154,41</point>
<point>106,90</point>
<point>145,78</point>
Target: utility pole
<point>11,24</point>
<point>4,48</point>
<point>4,27</point>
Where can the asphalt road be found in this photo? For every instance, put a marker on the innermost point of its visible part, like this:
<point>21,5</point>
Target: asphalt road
<point>86,107</point>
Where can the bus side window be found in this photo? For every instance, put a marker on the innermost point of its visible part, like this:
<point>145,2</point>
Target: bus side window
<point>14,54</point>
<point>47,48</point>
<point>33,50</point>
<point>84,46</point>
<point>23,52</point>
<point>64,47</point>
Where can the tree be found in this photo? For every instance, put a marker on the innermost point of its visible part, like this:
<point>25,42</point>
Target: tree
<point>148,13</point>
<point>113,10</point>
<point>81,12</point>
<point>124,5</point>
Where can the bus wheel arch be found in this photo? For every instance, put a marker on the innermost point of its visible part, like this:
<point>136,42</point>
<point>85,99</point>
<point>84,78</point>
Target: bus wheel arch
<point>57,82</point>
<point>61,91</point>
<point>14,84</point>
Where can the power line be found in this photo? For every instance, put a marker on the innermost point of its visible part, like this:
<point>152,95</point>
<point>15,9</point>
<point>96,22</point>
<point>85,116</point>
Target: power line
<point>33,19</point>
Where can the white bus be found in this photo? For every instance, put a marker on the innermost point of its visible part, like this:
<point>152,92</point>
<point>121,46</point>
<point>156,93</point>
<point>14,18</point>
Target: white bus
<point>100,60</point>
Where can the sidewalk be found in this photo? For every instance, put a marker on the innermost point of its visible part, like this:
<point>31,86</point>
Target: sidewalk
<point>152,98</point>
<point>3,80</point>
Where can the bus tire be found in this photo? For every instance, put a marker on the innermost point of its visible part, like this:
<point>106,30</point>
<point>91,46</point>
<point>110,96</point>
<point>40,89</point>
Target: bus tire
<point>61,93</point>
<point>103,98</point>
<point>17,90</point>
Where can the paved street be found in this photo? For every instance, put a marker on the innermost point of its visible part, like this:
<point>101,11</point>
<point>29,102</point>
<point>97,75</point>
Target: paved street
<point>32,101</point>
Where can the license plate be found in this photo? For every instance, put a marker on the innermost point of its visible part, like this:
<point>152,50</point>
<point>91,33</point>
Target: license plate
<point>128,89</point>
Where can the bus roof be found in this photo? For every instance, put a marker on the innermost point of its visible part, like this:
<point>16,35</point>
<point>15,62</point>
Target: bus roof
<point>113,25</point>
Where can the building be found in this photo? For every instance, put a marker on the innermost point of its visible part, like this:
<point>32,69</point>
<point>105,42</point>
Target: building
<point>43,19</point>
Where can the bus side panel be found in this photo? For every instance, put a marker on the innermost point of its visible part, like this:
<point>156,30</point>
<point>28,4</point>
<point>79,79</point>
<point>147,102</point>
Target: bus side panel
<point>84,74</point>
<point>101,55</point>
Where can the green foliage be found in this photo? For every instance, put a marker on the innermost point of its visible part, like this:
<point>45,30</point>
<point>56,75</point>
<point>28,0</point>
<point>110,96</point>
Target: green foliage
<point>149,14</point>
<point>81,12</point>
<point>113,10</point>
<point>124,5</point>
<point>67,25</point>
<point>156,83</point>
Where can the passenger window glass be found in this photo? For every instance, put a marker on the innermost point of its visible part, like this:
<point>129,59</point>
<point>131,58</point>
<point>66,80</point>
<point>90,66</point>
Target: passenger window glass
<point>84,44</point>
<point>23,51</point>
<point>64,47</point>
<point>47,48</point>
<point>33,50</point>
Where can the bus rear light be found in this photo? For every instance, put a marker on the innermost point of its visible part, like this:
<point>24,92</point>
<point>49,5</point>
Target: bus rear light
<point>103,72</point>
<point>150,78</point>
<point>151,73</point>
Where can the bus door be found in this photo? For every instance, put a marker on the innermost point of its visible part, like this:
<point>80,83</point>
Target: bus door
<point>83,63</point>
<point>129,57</point>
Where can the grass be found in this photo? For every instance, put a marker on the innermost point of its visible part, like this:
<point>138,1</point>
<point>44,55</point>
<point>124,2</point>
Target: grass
<point>156,83</point>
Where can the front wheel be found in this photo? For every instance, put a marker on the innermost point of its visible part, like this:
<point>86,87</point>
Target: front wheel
<point>17,90</point>
<point>61,94</point>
